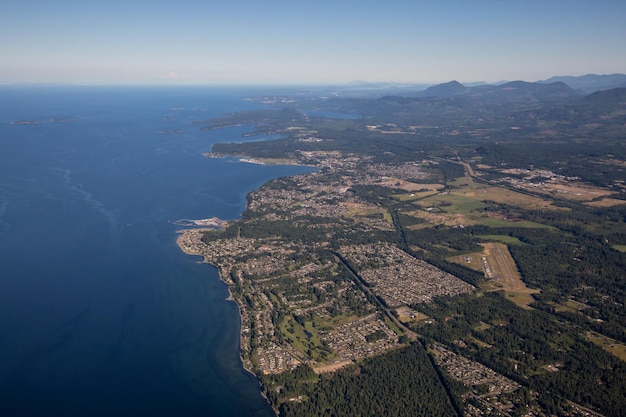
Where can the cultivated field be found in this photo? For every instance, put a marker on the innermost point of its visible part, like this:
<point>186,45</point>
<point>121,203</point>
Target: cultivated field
<point>467,203</point>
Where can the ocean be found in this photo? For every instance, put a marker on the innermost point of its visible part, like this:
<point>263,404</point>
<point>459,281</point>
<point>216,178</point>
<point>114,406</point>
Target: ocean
<point>101,314</point>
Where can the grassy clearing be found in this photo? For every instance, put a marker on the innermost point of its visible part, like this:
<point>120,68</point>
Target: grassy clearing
<point>293,333</point>
<point>408,315</point>
<point>454,203</point>
<point>480,343</point>
<point>393,326</point>
<point>522,299</point>
<point>606,202</point>
<point>523,224</point>
<point>610,345</point>
<point>569,306</point>
<point>482,327</point>
<point>470,219</point>
<point>509,240</point>
<point>304,338</point>
<point>340,319</point>
<point>471,261</point>
<point>621,248</point>
<point>365,213</point>
<point>466,187</point>
<point>410,186</point>
<point>466,205</point>
<point>506,196</point>
<point>414,196</point>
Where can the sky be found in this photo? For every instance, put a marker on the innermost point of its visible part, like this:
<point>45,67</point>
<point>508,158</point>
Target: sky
<point>237,42</point>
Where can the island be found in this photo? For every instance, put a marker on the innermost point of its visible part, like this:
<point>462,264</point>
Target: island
<point>451,255</point>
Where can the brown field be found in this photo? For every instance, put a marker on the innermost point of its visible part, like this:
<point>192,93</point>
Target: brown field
<point>406,315</point>
<point>471,261</point>
<point>501,272</point>
<point>606,202</point>
<point>470,189</point>
<point>506,196</point>
<point>331,368</point>
<point>364,210</point>
<point>446,219</point>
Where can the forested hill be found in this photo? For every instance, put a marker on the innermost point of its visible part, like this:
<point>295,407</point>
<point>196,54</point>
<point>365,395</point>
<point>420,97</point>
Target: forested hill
<point>590,83</point>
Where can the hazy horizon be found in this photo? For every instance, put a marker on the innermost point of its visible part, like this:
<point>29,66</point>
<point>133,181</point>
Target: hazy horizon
<point>323,43</point>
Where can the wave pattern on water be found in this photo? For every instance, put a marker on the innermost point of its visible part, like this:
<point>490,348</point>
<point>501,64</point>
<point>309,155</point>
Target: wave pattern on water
<point>93,203</point>
<point>100,313</point>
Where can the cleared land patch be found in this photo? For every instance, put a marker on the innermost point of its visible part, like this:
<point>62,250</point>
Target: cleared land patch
<point>409,186</point>
<point>606,202</point>
<point>415,196</point>
<point>356,210</point>
<point>621,248</point>
<point>610,345</point>
<point>509,240</point>
<point>463,210</point>
<point>501,272</point>
<point>505,196</point>
<point>467,203</point>
<point>574,191</point>
<point>407,315</point>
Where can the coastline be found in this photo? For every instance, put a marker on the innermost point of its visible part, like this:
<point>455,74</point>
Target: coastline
<point>183,235</point>
<point>195,227</point>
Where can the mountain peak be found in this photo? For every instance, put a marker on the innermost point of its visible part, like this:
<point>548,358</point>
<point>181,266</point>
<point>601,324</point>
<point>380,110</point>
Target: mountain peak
<point>445,90</point>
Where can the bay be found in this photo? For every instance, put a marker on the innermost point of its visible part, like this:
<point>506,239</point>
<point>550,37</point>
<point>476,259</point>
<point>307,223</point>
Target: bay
<point>101,314</point>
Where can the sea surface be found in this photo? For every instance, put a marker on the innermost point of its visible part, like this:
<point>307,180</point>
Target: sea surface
<point>101,314</point>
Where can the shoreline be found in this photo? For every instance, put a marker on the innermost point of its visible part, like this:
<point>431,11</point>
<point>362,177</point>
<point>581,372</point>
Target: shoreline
<point>215,223</point>
<point>230,298</point>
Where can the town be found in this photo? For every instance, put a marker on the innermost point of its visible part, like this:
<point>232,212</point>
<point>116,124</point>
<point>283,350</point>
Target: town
<point>492,259</point>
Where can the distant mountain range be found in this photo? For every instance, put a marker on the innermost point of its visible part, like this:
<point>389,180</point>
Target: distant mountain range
<point>454,103</point>
<point>511,91</point>
<point>552,88</point>
<point>590,83</point>
<point>559,86</point>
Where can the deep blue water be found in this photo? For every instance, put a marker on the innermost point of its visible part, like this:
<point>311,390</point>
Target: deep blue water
<point>100,313</point>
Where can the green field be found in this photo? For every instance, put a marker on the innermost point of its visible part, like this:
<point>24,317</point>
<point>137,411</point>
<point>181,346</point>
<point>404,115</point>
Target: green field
<point>454,204</point>
<point>621,248</point>
<point>509,240</point>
